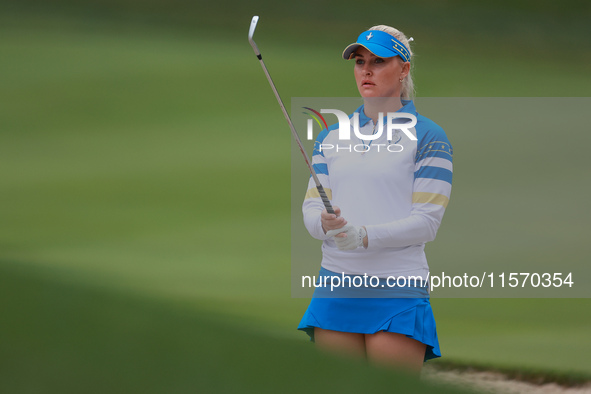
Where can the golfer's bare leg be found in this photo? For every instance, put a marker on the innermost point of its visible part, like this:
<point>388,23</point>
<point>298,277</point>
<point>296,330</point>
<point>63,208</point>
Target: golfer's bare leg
<point>345,343</point>
<point>397,350</point>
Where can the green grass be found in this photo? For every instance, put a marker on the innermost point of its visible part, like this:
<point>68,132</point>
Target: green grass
<point>519,334</point>
<point>66,338</point>
<point>146,169</point>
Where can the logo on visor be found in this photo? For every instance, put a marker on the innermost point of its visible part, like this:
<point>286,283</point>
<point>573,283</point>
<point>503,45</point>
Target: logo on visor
<point>369,36</point>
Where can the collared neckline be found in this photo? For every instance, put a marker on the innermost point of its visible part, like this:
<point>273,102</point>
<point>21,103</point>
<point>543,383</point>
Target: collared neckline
<point>407,106</point>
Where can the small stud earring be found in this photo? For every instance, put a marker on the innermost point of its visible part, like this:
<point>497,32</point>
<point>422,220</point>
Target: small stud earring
<point>401,80</point>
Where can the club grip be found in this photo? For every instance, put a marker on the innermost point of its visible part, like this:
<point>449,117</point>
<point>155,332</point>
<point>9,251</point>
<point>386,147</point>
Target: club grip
<point>324,198</point>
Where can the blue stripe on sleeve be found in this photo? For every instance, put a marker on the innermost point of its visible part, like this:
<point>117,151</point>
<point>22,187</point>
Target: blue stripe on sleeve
<point>434,153</point>
<point>319,141</point>
<point>441,149</point>
<point>317,150</point>
<point>431,172</point>
<point>321,168</point>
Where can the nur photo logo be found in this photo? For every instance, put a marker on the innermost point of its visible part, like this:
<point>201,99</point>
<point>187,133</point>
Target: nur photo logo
<point>394,124</point>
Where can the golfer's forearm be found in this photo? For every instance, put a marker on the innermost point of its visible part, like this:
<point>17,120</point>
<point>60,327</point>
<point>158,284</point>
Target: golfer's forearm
<point>413,230</point>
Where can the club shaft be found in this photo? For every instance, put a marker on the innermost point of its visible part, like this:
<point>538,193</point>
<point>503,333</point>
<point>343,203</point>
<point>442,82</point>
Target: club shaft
<point>319,187</point>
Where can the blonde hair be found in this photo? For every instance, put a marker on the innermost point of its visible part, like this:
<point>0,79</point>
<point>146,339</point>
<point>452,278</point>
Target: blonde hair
<point>408,88</point>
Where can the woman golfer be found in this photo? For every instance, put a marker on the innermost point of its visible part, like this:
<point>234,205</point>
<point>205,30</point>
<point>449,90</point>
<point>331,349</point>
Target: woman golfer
<point>389,191</point>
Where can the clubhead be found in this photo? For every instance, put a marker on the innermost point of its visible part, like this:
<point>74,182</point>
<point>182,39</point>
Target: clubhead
<point>253,26</point>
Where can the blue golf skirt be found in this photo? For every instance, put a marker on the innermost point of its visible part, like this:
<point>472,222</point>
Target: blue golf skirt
<point>408,315</point>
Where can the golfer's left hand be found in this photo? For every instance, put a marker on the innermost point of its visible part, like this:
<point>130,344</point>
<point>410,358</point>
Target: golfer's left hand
<point>348,237</point>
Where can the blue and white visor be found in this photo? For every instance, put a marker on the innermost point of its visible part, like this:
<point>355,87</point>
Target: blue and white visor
<point>380,44</point>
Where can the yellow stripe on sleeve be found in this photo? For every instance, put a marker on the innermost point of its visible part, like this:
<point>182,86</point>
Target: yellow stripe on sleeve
<point>313,193</point>
<point>429,198</point>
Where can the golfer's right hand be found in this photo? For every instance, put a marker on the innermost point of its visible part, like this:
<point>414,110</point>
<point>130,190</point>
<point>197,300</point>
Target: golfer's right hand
<point>332,221</point>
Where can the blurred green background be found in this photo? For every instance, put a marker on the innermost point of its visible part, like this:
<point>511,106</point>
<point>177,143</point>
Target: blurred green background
<point>145,238</point>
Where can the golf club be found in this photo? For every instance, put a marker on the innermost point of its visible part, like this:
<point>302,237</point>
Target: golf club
<point>327,205</point>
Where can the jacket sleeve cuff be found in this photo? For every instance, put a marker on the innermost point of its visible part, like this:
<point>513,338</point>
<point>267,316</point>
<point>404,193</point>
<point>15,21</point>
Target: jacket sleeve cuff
<point>315,229</point>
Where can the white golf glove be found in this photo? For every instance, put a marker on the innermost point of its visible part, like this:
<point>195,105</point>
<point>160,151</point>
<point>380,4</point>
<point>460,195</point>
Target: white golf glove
<point>353,240</point>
